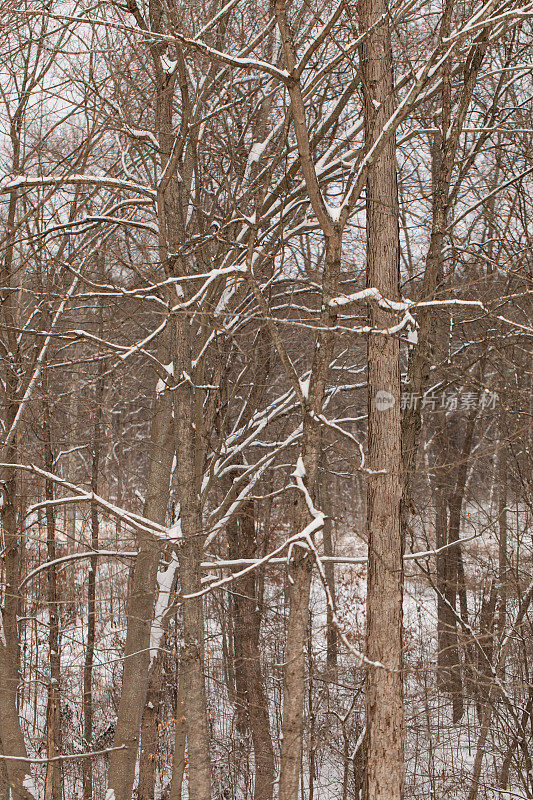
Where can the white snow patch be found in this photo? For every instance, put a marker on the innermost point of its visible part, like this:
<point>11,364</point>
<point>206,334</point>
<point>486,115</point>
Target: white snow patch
<point>335,213</point>
<point>256,151</point>
<point>347,299</point>
<point>299,472</point>
<point>161,384</point>
<point>304,386</point>
<point>110,794</point>
<point>165,579</point>
<point>412,336</point>
<point>29,785</point>
<point>169,67</point>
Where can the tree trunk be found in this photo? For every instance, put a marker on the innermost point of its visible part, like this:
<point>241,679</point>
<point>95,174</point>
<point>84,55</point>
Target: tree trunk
<point>311,405</point>
<point>503,572</point>
<point>141,596</point>
<point>18,772</point>
<point>249,678</point>
<point>91,587</point>
<point>456,572</point>
<point>149,732</point>
<point>329,572</point>
<point>448,662</point>
<point>52,789</point>
<point>384,701</point>
<point>295,674</point>
<point>180,736</point>
<point>190,555</point>
<point>4,781</point>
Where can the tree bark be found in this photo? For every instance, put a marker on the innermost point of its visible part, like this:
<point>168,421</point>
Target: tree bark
<point>503,569</point>
<point>180,738</point>
<point>52,788</point>
<point>384,701</point>
<point>149,732</point>
<point>456,572</point>
<point>301,567</point>
<point>91,584</point>
<point>190,555</point>
<point>4,781</point>
<point>448,662</point>
<point>249,679</point>
<point>18,772</point>
<point>329,572</point>
<point>142,595</point>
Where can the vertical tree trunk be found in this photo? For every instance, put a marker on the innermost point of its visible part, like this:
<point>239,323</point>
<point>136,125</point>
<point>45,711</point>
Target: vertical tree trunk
<point>443,630</point>
<point>190,555</point>
<point>302,564</point>
<point>149,732</point>
<point>503,573</point>
<point>238,631</point>
<point>18,772</point>
<point>180,736</point>
<point>448,662</point>
<point>384,702</point>
<point>52,789</point>
<point>294,673</point>
<point>4,782</point>
<point>119,455</point>
<point>163,443</point>
<point>456,572</point>
<point>421,356</point>
<point>248,673</point>
<point>142,595</point>
<point>91,587</point>
<point>329,572</point>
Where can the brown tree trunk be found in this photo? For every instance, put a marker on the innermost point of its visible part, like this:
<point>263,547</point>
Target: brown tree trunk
<point>301,567</point>
<point>149,733</point>
<point>141,596</point>
<point>456,572</point>
<point>294,675</point>
<point>249,679</point>
<point>163,436</point>
<point>4,782</point>
<point>503,571</point>
<point>190,555</point>
<point>52,788</point>
<point>384,701</point>
<point>443,160</point>
<point>329,572</point>
<point>448,662</point>
<point>91,585</point>
<point>444,632</point>
<point>18,772</point>
<point>180,737</point>
<point>421,356</point>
